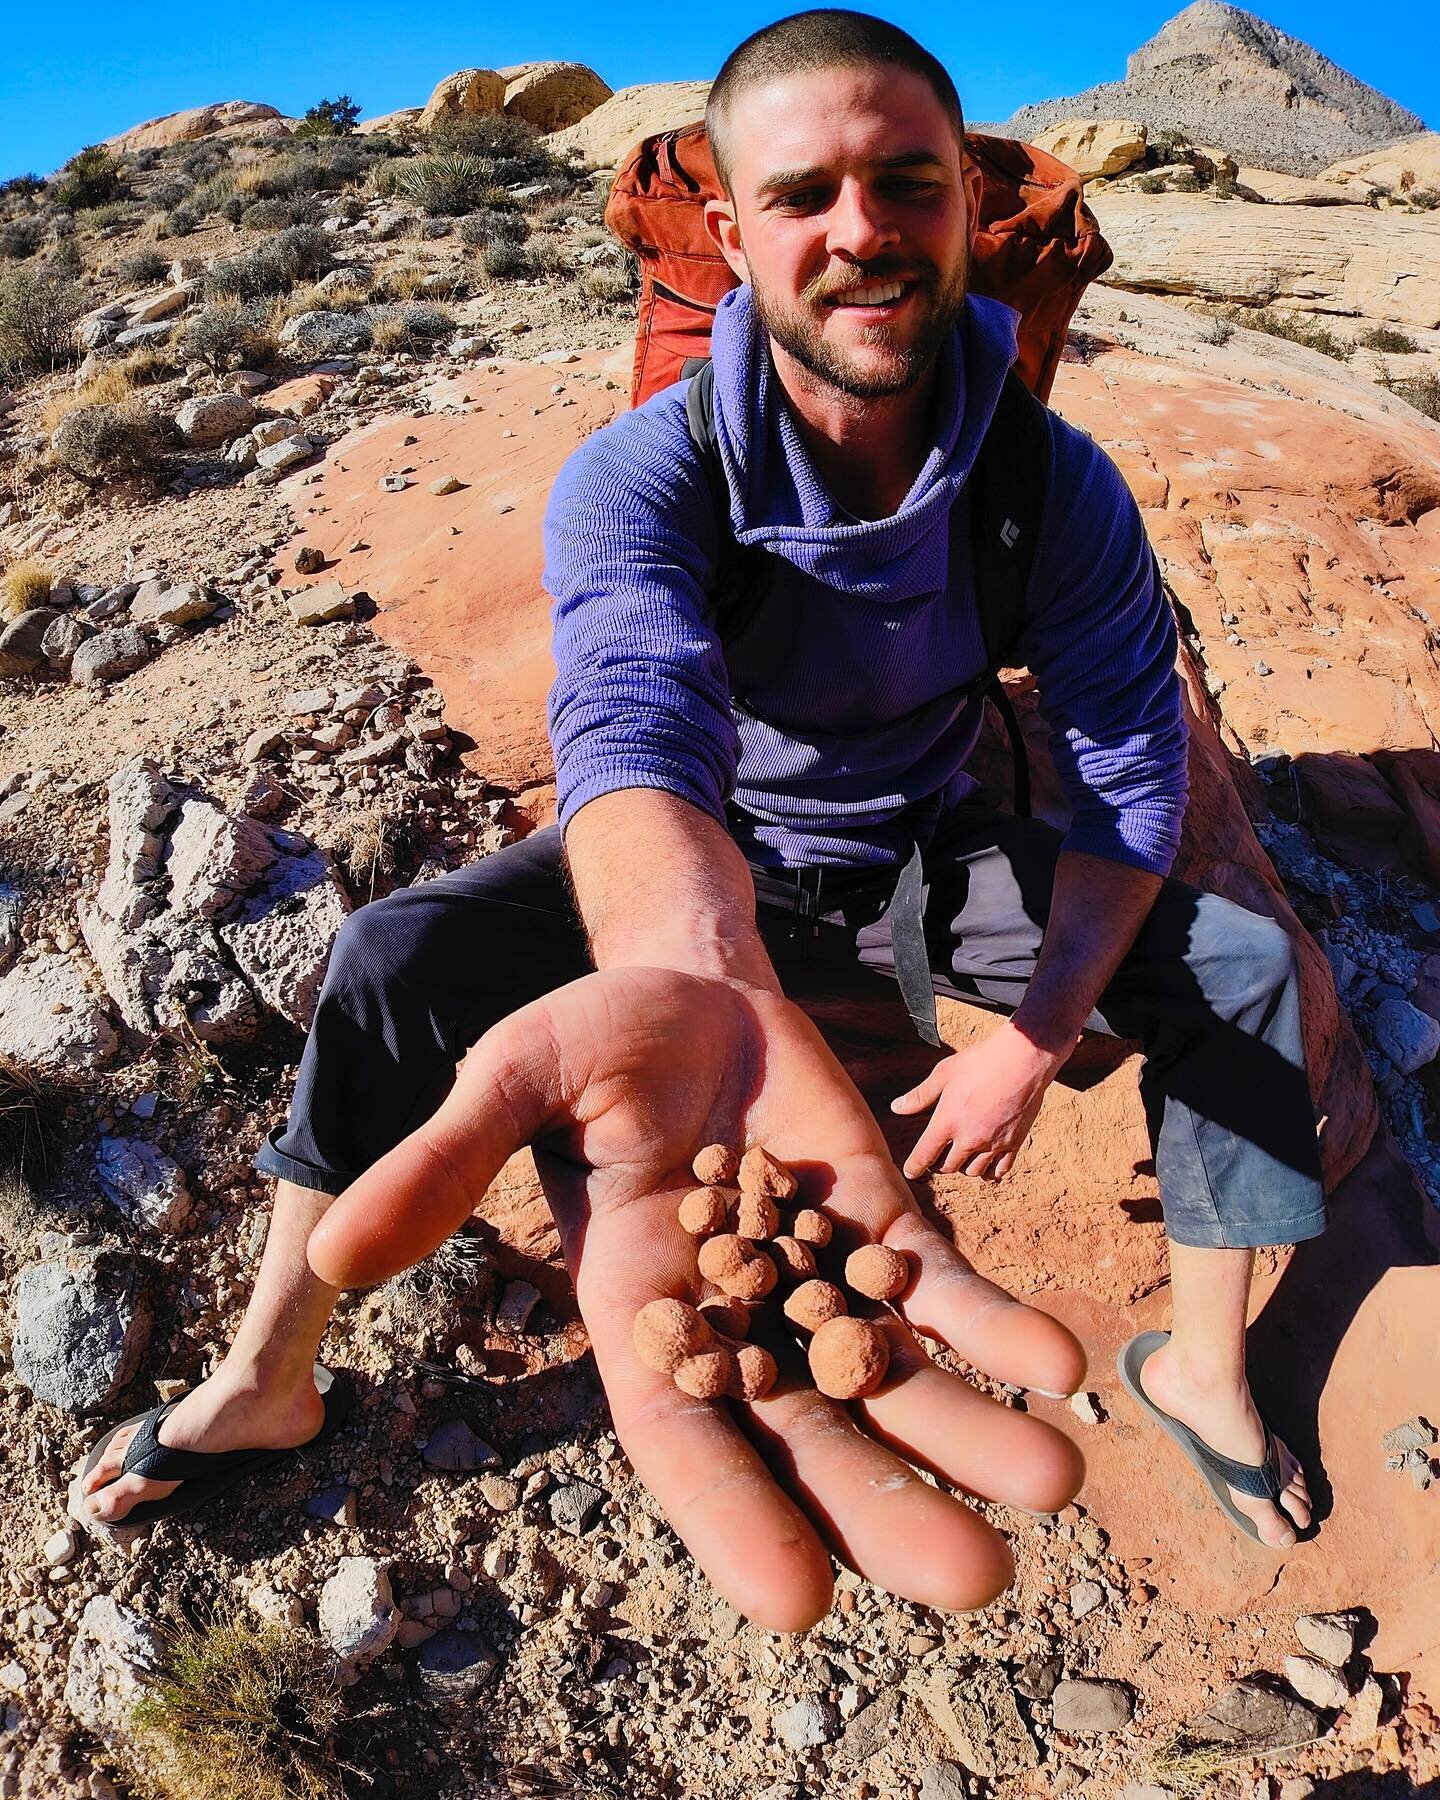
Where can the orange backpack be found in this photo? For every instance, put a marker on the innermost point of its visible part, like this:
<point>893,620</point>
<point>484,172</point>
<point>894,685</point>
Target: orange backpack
<point>1038,247</point>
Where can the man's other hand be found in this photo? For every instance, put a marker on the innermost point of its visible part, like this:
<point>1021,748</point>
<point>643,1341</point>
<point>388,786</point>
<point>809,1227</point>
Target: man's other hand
<point>618,1080</point>
<point>985,1099</point>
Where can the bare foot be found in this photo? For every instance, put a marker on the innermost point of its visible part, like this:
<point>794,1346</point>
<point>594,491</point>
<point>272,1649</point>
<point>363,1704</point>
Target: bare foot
<point>227,1412</point>
<point>1226,1419</point>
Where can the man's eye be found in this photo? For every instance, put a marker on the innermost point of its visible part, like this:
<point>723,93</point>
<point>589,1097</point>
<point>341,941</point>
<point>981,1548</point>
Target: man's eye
<point>906,186</point>
<point>798,199</point>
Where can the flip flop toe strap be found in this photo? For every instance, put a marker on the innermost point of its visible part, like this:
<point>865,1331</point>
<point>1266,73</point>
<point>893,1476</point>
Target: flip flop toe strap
<point>1258,1481</point>
<point>151,1460</point>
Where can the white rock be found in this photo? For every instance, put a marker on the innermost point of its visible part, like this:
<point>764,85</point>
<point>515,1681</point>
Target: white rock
<point>117,1653</point>
<point>212,419</point>
<point>281,936</point>
<point>179,605</point>
<point>1317,1682</point>
<point>147,1186</point>
<point>48,1018</point>
<point>214,860</point>
<point>358,1616</point>
<point>1409,1037</point>
<point>60,1549</point>
<point>278,1608</point>
<point>516,1305</point>
<point>1330,1636</point>
<point>285,454</point>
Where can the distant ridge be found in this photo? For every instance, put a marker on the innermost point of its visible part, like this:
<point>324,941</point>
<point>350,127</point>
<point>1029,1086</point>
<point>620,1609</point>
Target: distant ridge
<point>1224,77</point>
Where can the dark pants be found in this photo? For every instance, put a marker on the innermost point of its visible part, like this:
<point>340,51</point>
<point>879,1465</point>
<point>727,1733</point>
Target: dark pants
<point>1208,989</point>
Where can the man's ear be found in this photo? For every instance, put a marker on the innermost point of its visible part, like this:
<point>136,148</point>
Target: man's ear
<point>974,181</point>
<point>720,223</point>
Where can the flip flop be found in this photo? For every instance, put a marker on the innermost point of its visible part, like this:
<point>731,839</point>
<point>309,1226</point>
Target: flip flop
<point>206,1474</point>
<point>1261,1481</point>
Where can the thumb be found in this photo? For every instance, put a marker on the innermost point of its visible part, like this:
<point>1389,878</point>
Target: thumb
<point>408,1203</point>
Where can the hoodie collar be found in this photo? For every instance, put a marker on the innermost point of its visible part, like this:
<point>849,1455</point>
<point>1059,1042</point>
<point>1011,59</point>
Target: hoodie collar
<point>777,499</point>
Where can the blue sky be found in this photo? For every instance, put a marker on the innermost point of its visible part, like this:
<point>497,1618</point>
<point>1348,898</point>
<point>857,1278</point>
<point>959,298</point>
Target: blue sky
<point>68,79</point>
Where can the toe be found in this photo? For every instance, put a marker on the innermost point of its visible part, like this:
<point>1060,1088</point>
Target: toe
<point>109,1463</point>
<point>112,1503</point>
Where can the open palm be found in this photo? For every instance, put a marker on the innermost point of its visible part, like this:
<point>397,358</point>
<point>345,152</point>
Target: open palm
<point>618,1080</point>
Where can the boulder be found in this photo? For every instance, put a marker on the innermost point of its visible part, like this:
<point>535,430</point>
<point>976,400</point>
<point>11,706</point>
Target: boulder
<point>281,936</point>
<point>81,1324</point>
<point>1094,147</point>
<point>147,1186</point>
<point>50,1020</point>
<point>319,335</point>
<point>193,122</point>
<point>136,337</point>
<point>1346,797</point>
<point>22,642</point>
<point>285,453</point>
<point>170,975</point>
<point>209,420</point>
<point>1414,776</point>
<point>1346,260</point>
<point>63,637</point>
<point>163,305</point>
<point>141,804</point>
<point>213,860</point>
<point>320,604</point>
<point>553,95</point>
<point>1276,189</point>
<point>1412,163</point>
<point>392,121</point>
<point>1408,1036</point>
<point>466,93</point>
<point>182,604</point>
<point>604,137</point>
<point>109,655</point>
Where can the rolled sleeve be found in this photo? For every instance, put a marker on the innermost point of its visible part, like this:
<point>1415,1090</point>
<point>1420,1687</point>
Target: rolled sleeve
<point>1102,645</point>
<point>641,696</point>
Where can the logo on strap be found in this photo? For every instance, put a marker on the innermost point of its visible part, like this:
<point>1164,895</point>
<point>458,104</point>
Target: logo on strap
<point>1009,534</point>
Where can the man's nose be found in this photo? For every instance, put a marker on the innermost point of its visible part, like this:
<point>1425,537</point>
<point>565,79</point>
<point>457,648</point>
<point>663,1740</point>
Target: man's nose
<point>859,225</point>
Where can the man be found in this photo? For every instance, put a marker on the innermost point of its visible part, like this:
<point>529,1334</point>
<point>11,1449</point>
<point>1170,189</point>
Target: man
<point>854,382</point>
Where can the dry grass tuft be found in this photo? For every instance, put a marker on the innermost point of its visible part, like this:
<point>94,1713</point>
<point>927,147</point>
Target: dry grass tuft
<point>111,387</point>
<point>365,844</point>
<point>241,1712</point>
<point>428,1297</point>
<point>29,1125</point>
<point>196,1071</point>
<point>27,583</point>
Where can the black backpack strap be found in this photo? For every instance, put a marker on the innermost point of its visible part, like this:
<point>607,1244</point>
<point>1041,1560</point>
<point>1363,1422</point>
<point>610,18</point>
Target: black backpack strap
<point>1008,486</point>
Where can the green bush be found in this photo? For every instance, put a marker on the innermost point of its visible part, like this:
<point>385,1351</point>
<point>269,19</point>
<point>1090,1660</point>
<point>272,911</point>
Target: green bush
<point>449,184</point>
<point>1150,184</point>
<point>89,179</point>
<point>1218,330</point>
<point>411,325</point>
<point>180,222</point>
<point>173,191</point>
<point>38,313</point>
<point>214,195</point>
<point>1423,393</point>
<point>143,268</point>
<point>1297,331</point>
<point>1224,187</point>
<point>512,147</point>
<point>102,443</point>
<point>23,186</point>
<point>298,254</point>
<point>276,215</point>
<point>204,160</point>
<point>329,118</point>
<point>1185,181</point>
<point>1424,199</point>
<point>547,257</point>
<point>1385,337</point>
<point>227,334</point>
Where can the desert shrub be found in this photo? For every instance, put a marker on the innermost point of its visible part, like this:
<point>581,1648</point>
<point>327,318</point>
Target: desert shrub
<point>1165,147</point>
<point>449,184</point>
<point>608,287</point>
<point>492,226</point>
<point>404,281</point>
<point>1385,337</point>
<point>226,334</point>
<point>329,118</point>
<point>111,387</point>
<point>172,191</point>
<point>1297,331</point>
<point>215,196</point>
<point>38,312</point>
<point>20,238</point>
<point>1185,181</point>
<point>113,212</point>
<point>26,583</point>
<point>1422,392</point>
<point>436,228</point>
<point>316,166</point>
<point>142,268</point>
<point>23,187</point>
<point>89,179</point>
<point>1223,187</point>
<point>64,261</point>
<point>241,1711</point>
<point>1217,330</point>
<point>504,261</point>
<point>297,254</point>
<point>204,160</point>
<point>511,147</point>
<point>180,222</point>
<point>411,325</point>
<point>547,257</point>
<point>1150,184</point>
<point>279,215</point>
<point>147,363</point>
<point>103,442</point>
<point>552,216</point>
<point>1424,199</point>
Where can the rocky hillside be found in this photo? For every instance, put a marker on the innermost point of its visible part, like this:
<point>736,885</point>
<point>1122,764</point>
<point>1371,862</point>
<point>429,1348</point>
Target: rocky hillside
<point>1222,76</point>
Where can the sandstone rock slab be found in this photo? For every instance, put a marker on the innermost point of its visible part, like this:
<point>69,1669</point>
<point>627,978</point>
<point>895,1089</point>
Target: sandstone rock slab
<point>974,1707</point>
<point>553,95</point>
<point>320,604</point>
<point>117,1654</point>
<point>181,604</point>
<point>213,860</point>
<point>605,136</point>
<point>193,122</point>
<point>1094,147</point>
<point>468,92</point>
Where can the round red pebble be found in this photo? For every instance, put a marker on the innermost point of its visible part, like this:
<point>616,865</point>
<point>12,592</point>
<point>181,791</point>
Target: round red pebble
<point>717,1166</point>
<point>668,1331</point>
<point>705,1211</point>
<point>812,1227</point>
<point>757,1216</point>
<point>876,1272</point>
<point>760,1173</point>
<point>848,1358</point>
<point>708,1375</point>
<point>755,1371</point>
<point>813,1303</point>
<point>737,1267</point>
<point>796,1260</point>
<point>726,1314</point>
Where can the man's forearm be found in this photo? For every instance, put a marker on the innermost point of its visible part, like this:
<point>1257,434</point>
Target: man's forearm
<point>661,883</point>
<point>1096,910</point>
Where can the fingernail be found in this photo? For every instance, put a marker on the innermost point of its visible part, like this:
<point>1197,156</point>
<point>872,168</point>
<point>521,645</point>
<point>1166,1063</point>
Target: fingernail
<point>1050,1394</point>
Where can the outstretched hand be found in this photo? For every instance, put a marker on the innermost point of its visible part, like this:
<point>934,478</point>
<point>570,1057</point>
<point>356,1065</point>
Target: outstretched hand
<point>618,1080</point>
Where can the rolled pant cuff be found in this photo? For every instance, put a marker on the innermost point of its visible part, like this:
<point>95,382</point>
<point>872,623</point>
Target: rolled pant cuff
<point>270,1159</point>
<point>1253,1234</point>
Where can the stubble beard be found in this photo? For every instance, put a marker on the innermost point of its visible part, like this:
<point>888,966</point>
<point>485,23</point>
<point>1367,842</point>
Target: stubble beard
<point>801,336</point>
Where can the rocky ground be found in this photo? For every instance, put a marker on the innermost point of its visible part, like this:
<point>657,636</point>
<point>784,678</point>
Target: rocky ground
<point>272,686</point>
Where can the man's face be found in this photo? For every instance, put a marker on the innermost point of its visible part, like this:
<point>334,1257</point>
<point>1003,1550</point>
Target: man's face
<point>851,220</point>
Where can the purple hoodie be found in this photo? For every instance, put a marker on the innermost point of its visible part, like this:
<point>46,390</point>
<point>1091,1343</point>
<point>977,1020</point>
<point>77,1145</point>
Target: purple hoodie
<point>849,712</point>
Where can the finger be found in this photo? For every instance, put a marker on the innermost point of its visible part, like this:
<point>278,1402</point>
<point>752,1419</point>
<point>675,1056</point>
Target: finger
<point>926,1093</point>
<point>1005,1164</point>
<point>752,1539</point>
<point>408,1203</point>
<point>928,1148</point>
<point>979,1166</point>
<point>934,1418</point>
<point>885,1522</point>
